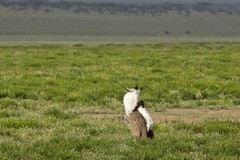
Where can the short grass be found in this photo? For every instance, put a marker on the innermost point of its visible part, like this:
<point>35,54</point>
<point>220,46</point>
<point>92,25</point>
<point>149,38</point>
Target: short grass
<point>47,89</point>
<point>171,75</point>
<point>55,137</point>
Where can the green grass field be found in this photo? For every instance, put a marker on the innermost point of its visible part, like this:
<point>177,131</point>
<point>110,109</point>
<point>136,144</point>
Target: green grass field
<point>49,92</point>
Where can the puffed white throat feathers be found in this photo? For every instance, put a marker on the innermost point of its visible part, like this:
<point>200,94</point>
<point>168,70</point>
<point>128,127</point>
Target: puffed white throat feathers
<point>131,99</point>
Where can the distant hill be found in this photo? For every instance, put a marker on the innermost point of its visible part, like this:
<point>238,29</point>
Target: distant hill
<point>152,1</point>
<point>55,20</point>
<point>138,1</point>
<point>113,6</point>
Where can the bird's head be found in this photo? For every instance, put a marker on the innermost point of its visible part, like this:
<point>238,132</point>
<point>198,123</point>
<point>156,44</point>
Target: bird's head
<point>134,89</point>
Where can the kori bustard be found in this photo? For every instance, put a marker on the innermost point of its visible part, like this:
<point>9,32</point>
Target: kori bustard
<point>136,116</point>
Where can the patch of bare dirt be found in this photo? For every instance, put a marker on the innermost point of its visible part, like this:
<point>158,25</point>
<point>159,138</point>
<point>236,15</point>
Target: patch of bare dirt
<point>185,115</point>
<point>196,115</point>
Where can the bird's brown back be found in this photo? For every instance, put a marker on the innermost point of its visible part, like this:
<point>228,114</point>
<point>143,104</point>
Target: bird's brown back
<point>137,124</point>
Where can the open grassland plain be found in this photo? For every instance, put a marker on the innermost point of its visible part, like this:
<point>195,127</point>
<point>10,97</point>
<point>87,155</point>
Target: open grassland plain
<point>58,26</point>
<point>65,101</point>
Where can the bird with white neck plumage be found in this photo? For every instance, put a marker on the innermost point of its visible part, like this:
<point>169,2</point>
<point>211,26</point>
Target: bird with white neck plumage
<point>132,102</point>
